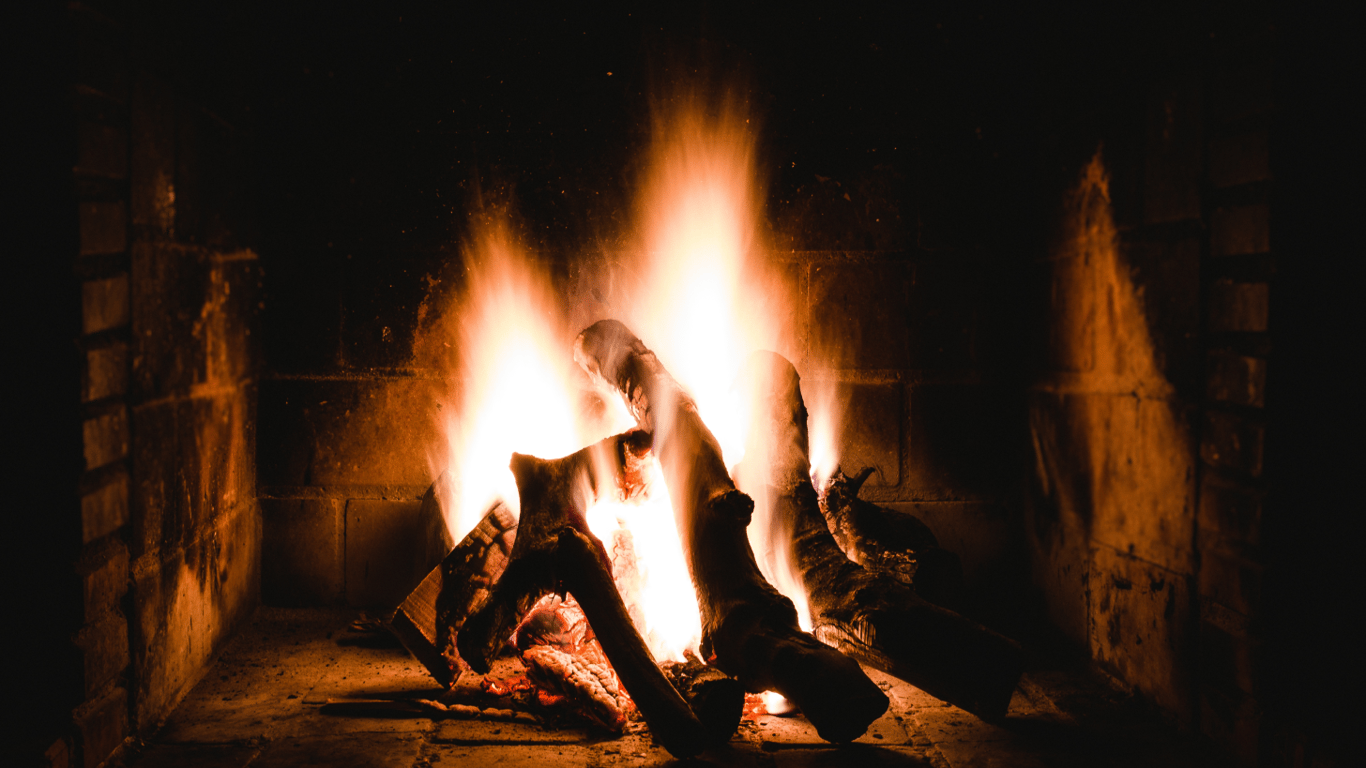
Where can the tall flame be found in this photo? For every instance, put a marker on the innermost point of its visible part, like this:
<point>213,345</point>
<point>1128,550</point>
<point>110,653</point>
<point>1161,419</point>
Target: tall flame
<point>515,392</point>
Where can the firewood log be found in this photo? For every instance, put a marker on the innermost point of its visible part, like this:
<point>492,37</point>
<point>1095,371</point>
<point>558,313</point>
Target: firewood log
<point>429,619</point>
<point>874,617</point>
<point>893,544</point>
<point>555,551</point>
<point>716,698</point>
<point>749,629</point>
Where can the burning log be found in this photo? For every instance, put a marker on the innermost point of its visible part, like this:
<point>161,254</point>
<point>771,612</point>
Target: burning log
<point>555,551</point>
<point>890,544</point>
<point>749,629</point>
<point>874,617</point>
<point>429,619</point>
<point>716,698</point>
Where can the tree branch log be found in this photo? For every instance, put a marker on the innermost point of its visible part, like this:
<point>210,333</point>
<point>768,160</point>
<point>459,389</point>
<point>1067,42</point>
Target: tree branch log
<point>874,617</point>
<point>749,629</point>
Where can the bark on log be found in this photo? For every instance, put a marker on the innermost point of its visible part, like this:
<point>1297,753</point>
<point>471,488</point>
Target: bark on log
<point>874,617</point>
<point>553,494</point>
<point>749,629</point>
<point>890,543</point>
<point>428,621</point>
<point>716,698</point>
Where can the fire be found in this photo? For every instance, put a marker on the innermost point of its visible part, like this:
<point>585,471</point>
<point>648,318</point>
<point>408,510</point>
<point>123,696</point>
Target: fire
<point>708,299</point>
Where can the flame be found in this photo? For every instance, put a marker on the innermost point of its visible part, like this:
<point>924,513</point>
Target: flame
<point>516,395</point>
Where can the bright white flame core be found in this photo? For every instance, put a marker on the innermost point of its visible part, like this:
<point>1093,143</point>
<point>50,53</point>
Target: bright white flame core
<point>665,593</point>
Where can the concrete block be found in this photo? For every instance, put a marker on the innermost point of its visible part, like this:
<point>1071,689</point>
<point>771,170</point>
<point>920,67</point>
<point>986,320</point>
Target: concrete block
<point>104,651</point>
<point>1140,626</point>
<point>104,227</point>
<point>1239,230</point>
<point>863,311</point>
<point>170,301</point>
<point>1236,379</point>
<point>1234,442</point>
<point>378,431</point>
<point>869,431</point>
<point>101,150</point>
<point>1240,159</point>
<point>104,304</point>
<point>103,587</point>
<point>377,326</point>
<point>105,438</point>
<point>1227,663</point>
<point>978,532</point>
<point>100,53</point>
<point>1166,281</point>
<point>385,546</point>
<point>152,139</point>
<point>1238,307</point>
<point>104,509</point>
<point>302,553</point>
<point>102,725</point>
<point>1173,156</point>
<point>943,310</point>
<point>186,603</point>
<point>106,372</point>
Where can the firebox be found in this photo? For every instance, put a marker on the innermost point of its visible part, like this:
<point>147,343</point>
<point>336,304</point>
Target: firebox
<point>917,380</point>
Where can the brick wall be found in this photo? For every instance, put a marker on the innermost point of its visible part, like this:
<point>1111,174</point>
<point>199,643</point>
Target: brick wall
<point>1147,499</point>
<point>165,525</point>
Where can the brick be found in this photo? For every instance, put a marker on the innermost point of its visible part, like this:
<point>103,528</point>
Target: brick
<point>385,541</point>
<point>1242,89</point>
<point>104,227</point>
<point>1230,515</point>
<point>1233,721</point>
<point>1233,442</point>
<point>1226,662</point>
<point>106,585</point>
<point>863,311</point>
<point>102,150</point>
<point>1241,229</point>
<point>302,552</point>
<point>104,509</point>
<point>1238,307</point>
<point>102,725</point>
<point>104,304</point>
<point>1140,626</point>
<point>978,532</point>
<point>1172,166</point>
<point>104,651</point>
<point>943,311</point>
<point>1240,159</point>
<point>106,372</point>
<point>1166,280</point>
<point>1236,379</point>
<point>105,438</point>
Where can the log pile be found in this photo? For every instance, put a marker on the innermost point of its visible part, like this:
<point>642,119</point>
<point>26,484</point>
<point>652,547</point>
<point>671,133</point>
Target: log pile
<point>873,616</point>
<point>872,579</point>
<point>749,629</point>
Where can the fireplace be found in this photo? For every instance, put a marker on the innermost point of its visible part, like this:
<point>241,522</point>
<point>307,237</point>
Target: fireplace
<point>1068,278</point>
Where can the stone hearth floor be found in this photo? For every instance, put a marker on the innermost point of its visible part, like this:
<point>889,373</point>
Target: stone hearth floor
<point>262,705</point>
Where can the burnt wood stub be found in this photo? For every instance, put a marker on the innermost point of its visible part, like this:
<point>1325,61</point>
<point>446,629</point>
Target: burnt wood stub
<point>873,617</point>
<point>749,629</point>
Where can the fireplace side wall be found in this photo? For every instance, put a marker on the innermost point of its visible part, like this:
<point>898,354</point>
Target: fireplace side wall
<point>166,291</point>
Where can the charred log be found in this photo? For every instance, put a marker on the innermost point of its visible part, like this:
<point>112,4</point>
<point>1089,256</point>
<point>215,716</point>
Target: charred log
<point>874,617</point>
<point>749,629</point>
<point>553,494</point>
<point>555,551</point>
<point>716,698</point>
<point>429,619</point>
<point>888,543</point>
